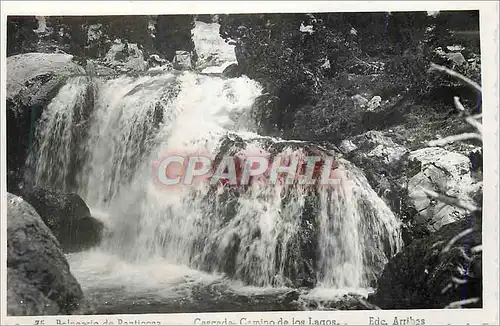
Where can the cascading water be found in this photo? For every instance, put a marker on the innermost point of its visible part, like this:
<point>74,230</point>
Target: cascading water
<point>266,235</point>
<point>59,133</point>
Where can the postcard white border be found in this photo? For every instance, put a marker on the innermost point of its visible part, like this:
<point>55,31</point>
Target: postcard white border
<point>489,51</point>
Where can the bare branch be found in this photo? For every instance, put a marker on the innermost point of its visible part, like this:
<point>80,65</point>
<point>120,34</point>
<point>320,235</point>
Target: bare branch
<point>455,239</point>
<point>458,104</point>
<point>455,74</point>
<point>450,200</point>
<point>476,249</point>
<point>446,288</point>
<point>458,281</point>
<point>472,120</point>
<point>459,304</point>
<point>454,138</point>
<point>476,124</point>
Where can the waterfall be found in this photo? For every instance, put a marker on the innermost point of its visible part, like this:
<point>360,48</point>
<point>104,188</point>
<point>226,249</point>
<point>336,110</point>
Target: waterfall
<point>127,115</point>
<point>59,132</point>
<point>266,235</point>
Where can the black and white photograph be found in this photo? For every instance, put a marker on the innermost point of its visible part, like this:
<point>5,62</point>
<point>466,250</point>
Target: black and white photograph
<point>207,163</point>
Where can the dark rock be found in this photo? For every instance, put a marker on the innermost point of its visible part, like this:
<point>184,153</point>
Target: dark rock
<point>419,277</point>
<point>67,216</point>
<point>290,296</point>
<point>39,281</point>
<point>232,71</point>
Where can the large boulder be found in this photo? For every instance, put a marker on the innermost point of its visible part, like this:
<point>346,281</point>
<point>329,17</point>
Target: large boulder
<point>125,57</point>
<point>232,71</point>
<point>432,273</point>
<point>67,216</point>
<point>446,173</point>
<point>33,79</point>
<point>39,281</point>
<point>32,76</point>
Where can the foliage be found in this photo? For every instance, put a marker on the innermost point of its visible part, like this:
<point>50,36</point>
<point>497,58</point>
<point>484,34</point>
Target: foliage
<point>310,75</point>
<point>92,36</point>
<point>173,33</point>
<point>20,34</point>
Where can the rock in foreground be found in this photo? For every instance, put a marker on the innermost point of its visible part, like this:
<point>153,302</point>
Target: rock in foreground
<point>421,276</point>
<point>67,216</point>
<point>39,281</point>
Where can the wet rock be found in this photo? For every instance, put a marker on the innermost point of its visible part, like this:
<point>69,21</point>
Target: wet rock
<point>446,173</point>
<point>39,281</point>
<point>232,71</point>
<point>67,216</point>
<point>33,79</point>
<point>158,65</point>
<point>182,60</point>
<point>421,275</point>
<point>154,60</point>
<point>125,57</point>
<point>290,296</point>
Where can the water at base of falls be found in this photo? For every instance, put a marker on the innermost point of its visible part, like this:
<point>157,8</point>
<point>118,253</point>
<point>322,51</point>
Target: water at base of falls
<point>202,248</point>
<point>115,286</point>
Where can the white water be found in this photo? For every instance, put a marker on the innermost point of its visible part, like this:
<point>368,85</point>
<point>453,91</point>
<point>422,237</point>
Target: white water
<point>56,132</point>
<point>162,239</point>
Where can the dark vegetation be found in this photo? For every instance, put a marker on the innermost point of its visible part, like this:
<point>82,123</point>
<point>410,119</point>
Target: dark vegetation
<point>310,78</point>
<point>92,36</point>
